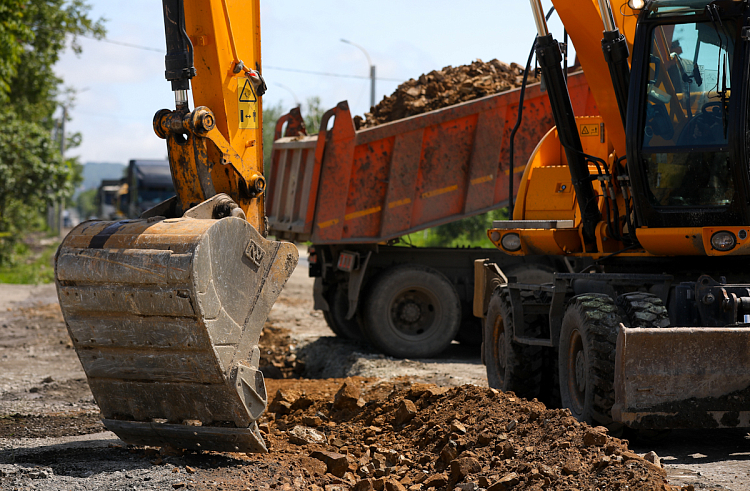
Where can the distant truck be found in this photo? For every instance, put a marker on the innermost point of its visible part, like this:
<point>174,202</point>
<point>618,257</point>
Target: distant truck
<point>354,193</point>
<point>147,183</point>
<point>106,199</point>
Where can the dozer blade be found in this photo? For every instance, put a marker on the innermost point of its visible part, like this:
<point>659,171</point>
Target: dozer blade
<point>165,316</point>
<point>682,377</point>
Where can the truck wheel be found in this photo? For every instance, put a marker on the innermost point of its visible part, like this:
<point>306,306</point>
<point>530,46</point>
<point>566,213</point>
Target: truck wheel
<point>336,317</point>
<point>640,309</point>
<point>510,366</point>
<point>412,311</point>
<point>587,357</point>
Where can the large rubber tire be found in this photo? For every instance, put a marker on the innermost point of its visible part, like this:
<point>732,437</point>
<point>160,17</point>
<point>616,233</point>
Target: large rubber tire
<point>586,358</point>
<point>510,366</point>
<point>412,311</point>
<point>336,317</point>
<point>640,309</point>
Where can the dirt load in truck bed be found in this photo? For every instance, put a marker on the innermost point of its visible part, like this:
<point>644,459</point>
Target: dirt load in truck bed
<point>443,88</point>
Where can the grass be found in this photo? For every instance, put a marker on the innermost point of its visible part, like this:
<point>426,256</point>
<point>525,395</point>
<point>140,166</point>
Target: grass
<point>32,264</point>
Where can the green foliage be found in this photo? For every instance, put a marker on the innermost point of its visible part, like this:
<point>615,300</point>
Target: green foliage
<point>312,114</point>
<point>33,35</point>
<point>30,265</point>
<point>271,114</point>
<point>468,232</point>
<point>86,203</point>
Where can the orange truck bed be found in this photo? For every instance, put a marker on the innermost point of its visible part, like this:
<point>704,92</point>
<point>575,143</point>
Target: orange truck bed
<point>346,186</point>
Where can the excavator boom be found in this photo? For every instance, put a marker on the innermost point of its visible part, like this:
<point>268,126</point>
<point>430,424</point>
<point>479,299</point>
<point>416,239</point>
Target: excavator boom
<point>165,312</point>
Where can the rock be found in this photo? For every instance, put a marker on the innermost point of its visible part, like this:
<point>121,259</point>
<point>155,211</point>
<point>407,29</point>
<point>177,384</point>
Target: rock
<point>653,458</point>
<point>463,467</point>
<point>392,485</point>
<point>449,452</point>
<point>458,427</point>
<point>484,438</point>
<point>593,437</point>
<point>313,466</point>
<point>336,463</point>
<point>189,469</point>
<point>312,420</point>
<point>436,481</point>
<point>571,467</point>
<point>505,482</point>
<point>302,435</point>
<point>348,396</point>
<point>364,485</point>
<point>405,412</point>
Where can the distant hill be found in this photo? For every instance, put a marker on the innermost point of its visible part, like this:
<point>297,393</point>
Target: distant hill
<point>94,172</point>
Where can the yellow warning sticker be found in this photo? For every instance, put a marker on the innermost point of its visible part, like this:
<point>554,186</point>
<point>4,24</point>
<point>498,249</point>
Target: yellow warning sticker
<point>589,130</point>
<point>247,104</point>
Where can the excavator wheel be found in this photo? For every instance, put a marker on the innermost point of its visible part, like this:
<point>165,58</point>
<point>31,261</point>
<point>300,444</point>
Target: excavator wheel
<point>586,357</point>
<point>510,366</point>
<point>165,316</point>
<point>640,309</point>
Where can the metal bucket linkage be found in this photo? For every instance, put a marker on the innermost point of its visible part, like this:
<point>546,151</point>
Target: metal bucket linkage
<point>165,316</point>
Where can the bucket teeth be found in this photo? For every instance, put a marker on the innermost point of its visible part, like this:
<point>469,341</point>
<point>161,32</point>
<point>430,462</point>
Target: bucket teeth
<point>165,316</point>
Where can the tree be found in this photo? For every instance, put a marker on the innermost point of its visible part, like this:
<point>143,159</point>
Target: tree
<point>33,35</point>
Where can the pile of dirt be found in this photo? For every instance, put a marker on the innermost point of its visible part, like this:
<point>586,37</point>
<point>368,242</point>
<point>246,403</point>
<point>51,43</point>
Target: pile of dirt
<point>278,359</point>
<point>442,88</point>
<point>420,437</point>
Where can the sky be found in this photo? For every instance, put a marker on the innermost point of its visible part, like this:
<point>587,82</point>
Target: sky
<point>120,88</point>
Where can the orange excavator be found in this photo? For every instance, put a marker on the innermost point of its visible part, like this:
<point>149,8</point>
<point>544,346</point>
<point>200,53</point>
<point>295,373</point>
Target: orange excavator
<point>649,205</point>
<point>165,311</point>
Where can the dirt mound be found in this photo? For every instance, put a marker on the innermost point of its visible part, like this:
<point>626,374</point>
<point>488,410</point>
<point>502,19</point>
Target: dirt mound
<point>421,437</point>
<point>442,88</point>
<point>278,359</point>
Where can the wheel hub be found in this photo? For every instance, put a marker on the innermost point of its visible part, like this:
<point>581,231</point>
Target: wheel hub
<point>411,312</point>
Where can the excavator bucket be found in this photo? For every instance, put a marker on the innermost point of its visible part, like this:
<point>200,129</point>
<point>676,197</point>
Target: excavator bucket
<point>682,377</point>
<point>165,315</point>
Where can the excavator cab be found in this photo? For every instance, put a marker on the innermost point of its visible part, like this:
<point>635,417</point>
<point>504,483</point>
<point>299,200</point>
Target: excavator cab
<point>688,119</point>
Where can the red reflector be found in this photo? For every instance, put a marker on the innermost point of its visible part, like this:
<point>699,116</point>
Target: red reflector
<point>346,262</point>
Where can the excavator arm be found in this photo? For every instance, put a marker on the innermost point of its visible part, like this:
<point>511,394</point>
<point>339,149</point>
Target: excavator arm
<point>165,311</point>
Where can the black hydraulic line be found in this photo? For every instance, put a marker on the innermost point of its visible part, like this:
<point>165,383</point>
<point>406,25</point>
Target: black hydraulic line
<point>179,58</point>
<point>615,48</point>
<point>518,122</point>
<point>549,56</point>
<point>515,130</point>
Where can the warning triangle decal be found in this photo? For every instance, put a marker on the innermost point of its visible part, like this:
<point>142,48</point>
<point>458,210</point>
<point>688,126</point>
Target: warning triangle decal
<point>248,94</point>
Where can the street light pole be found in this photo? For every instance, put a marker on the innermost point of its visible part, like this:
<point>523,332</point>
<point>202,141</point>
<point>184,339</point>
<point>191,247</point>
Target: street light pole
<point>372,70</point>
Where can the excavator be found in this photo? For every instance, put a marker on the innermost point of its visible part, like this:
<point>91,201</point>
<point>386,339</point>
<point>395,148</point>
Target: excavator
<point>165,311</point>
<point>649,204</point>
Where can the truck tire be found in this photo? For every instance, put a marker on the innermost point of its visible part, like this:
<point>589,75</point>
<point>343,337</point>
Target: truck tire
<point>336,317</point>
<point>587,357</point>
<point>411,311</point>
<point>639,309</point>
<point>510,366</point>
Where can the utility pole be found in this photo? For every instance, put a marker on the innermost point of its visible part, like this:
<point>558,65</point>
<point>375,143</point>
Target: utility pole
<point>61,204</point>
<point>372,70</point>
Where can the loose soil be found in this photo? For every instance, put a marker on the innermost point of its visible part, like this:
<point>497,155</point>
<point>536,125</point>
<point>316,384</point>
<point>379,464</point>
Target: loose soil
<point>443,88</point>
<point>341,417</point>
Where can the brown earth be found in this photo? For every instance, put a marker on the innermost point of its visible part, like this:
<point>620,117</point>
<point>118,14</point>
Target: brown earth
<point>443,88</point>
<point>397,432</point>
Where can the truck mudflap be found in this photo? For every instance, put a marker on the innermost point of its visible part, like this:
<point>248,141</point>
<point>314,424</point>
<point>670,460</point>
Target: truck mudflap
<point>682,377</point>
<point>165,316</point>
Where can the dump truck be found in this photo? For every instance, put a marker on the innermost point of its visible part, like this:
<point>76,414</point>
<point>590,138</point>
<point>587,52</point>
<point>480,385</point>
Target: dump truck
<point>147,183</point>
<point>655,334</point>
<point>354,193</point>
<point>165,311</point>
